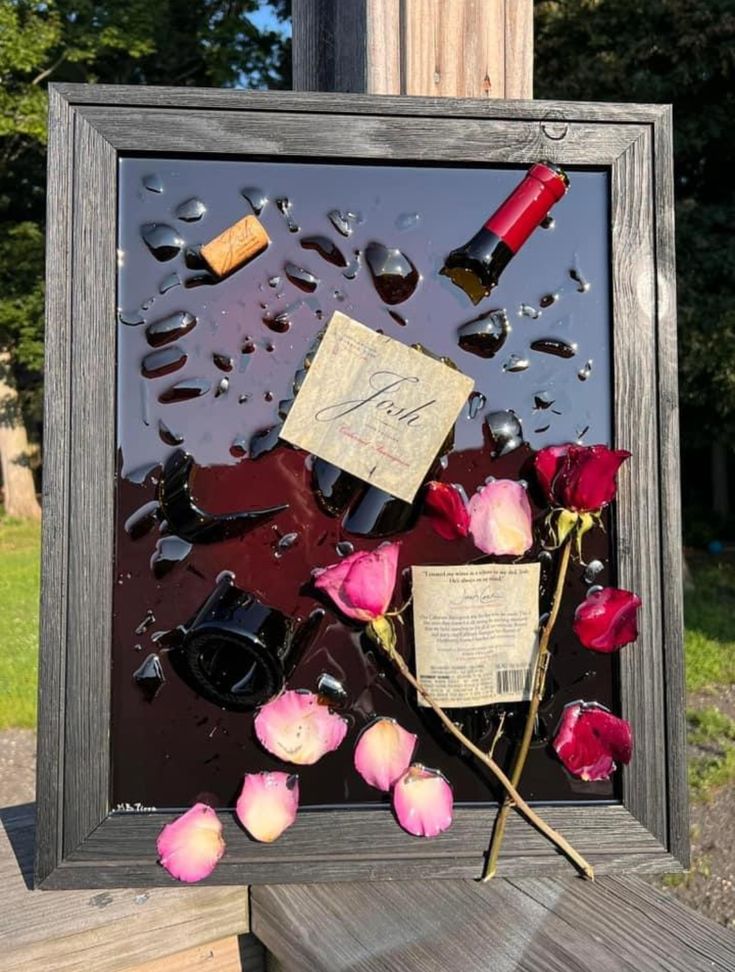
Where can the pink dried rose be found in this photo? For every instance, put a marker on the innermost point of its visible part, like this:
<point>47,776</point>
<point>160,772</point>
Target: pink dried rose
<point>383,753</point>
<point>297,728</point>
<point>446,508</point>
<point>607,619</point>
<point>361,585</point>
<point>501,518</point>
<point>590,741</point>
<point>267,804</point>
<point>579,478</point>
<point>190,846</point>
<point>423,801</point>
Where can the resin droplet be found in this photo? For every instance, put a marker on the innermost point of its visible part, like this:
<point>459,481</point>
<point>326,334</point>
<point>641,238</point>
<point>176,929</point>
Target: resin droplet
<point>132,319</point>
<point>223,361</point>
<point>171,328</point>
<point>222,388</point>
<point>190,210</point>
<point>163,362</point>
<point>547,223</point>
<point>344,548</point>
<point>248,347</point>
<point>394,275</point>
<point>163,241</point>
<point>280,322</point>
<point>142,521</point>
<point>485,335</point>
<point>505,431</point>
<point>239,447</point>
<point>169,282</point>
<point>284,208</point>
<point>555,346</point>
<point>476,403</point>
<point>407,221</point>
<point>593,568</point>
<point>326,249</point>
<point>274,281</point>
<point>301,278</point>
<point>166,435</point>
<point>153,182</point>
<point>285,543</point>
<point>541,401</point>
<point>147,621</point>
<point>527,310</point>
<point>184,391</point>
<point>149,677</point>
<point>582,285</point>
<point>331,691</point>
<point>548,299</point>
<point>344,222</point>
<point>169,552</point>
<point>256,197</point>
<point>584,373</point>
<point>516,362</point>
<point>351,270</point>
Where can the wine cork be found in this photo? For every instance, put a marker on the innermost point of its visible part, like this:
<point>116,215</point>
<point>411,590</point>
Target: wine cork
<point>239,243</point>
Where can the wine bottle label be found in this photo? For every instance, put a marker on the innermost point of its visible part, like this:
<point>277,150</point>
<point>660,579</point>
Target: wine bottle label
<point>375,407</point>
<point>527,206</point>
<point>476,632</point>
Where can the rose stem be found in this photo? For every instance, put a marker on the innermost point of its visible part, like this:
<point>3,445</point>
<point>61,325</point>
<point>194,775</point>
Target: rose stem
<point>539,683</point>
<point>516,800</point>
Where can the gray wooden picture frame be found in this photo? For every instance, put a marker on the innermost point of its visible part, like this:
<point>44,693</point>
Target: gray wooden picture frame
<point>80,842</point>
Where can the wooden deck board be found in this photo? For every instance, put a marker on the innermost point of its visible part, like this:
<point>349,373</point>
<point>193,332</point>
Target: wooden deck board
<point>617,924</point>
<point>108,931</point>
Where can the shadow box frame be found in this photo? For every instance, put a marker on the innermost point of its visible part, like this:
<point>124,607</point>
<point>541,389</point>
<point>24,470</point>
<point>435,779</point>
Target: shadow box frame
<point>80,842</point>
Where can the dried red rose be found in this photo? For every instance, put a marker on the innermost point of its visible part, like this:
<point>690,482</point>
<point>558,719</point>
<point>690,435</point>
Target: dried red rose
<point>579,478</point>
<point>446,509</point>
<point>590,740</point>
<point>607,619</point>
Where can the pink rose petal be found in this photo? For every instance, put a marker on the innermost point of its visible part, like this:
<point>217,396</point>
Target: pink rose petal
<point>383,753</point>
<point>607,619</point>
<point>296,728</point>
<point>190,846</point>
<point>361,585</point>
<point>446,510</point>
<point>423,801</point>
<point>267,804</point>
<point>590,740</point>
<point>500,518</point>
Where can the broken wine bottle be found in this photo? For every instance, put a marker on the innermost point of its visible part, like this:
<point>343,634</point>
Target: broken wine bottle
<point>476,267</point>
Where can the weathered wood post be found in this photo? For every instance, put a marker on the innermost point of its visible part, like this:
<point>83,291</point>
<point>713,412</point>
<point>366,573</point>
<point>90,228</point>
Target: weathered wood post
<point>445,48</point>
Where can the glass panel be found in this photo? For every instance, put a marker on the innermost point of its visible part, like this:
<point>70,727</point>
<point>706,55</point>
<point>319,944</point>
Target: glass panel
<point>205,367</point>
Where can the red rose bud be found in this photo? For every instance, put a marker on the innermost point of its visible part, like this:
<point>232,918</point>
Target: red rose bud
<point>446,509</point>
<point>607,619</point>
<point>579,478</point>
<point>590,740</point>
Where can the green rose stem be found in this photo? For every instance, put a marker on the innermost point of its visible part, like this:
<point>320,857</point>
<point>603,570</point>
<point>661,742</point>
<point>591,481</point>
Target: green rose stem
<point>539,683</point>
<point>381,631</point>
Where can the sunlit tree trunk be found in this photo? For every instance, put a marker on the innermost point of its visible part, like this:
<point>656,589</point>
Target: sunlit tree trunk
<point>17,478</point>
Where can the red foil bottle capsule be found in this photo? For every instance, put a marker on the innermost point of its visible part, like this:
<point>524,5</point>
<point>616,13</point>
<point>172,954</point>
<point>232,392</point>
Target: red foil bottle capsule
<point>476,267</point>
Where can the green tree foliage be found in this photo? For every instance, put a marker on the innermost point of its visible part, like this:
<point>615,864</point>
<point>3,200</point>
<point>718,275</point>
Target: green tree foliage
<point>680,52</point>
<point>195,42</point>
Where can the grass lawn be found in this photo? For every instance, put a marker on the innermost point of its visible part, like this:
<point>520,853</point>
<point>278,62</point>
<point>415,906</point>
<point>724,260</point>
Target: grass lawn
<point>710,653</point>
<point>19,563</point>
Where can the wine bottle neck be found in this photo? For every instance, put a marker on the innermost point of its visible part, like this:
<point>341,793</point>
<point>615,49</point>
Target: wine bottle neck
<point>527,206</point>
